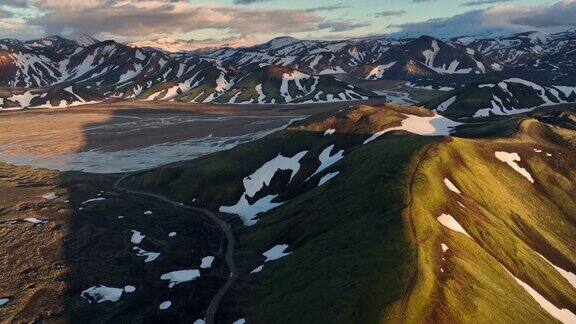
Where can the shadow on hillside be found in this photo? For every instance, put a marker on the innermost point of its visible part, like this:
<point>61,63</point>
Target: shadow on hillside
<point>99,247</point>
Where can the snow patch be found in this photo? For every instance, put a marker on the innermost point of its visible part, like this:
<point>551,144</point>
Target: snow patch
<point>511,159</point>
<point>327,178</point>
<point>207,262</point>
<point>444,247</point>
<point>102,293</point>
<point>451,186</point>
<point>137,237</point>
<point>451,223</point>
<point>436,125</point>
<point>180,276</point>
<point>165,305</point>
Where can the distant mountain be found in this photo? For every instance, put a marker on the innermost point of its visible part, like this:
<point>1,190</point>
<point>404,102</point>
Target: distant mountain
<point>553,54</point>
<point>426,56</point>
<point>276,85</point>
<point>170,45</point>
<point>109,69</point>
<point>506,97</point>
<point>165,69</point>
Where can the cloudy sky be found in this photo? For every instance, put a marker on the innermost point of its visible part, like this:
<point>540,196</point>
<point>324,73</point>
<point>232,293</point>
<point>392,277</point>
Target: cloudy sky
<point>249,21</point>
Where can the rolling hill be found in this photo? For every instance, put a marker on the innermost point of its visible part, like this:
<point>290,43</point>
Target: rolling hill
<point>373,205</point>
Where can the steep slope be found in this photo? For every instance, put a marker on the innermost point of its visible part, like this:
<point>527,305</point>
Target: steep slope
<point>508,96</point>
<point>345,226</point>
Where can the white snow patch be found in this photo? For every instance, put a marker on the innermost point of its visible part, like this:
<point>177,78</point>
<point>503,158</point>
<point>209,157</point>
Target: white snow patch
<point>50,196</point>
<point>102,293</point>
<point>329,131</point>
<point>247,212</point>
<point>571,277</point>
<point>451,223</point>
<point>327,160</point>
<point>451,186</point>
<point>150,256</point>
<point>436,125</point>
<point>165,305</point>
<point>137,237</point>
<point>446,104</point>
<point>276,252</point>
<point>171,234</point>
<point>35,220</point>
<point>256,181</point>
<point>258,269</point>
<point>563,315</point>
<point>180,276</point>
<point>444,247</point>
<point>148,212</point>
<point>207,262</point>
<point>511,159</point>
<point>93,200</point>
<point>327,178</point>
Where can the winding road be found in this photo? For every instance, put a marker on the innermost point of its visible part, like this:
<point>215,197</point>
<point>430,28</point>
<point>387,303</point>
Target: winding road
<point>230,248</point>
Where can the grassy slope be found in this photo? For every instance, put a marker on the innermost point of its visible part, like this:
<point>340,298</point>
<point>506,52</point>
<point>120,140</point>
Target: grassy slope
<point>346,242</point>
<point>509,219</point>
<point>356,246</point>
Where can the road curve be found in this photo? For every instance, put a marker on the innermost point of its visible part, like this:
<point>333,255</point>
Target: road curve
<point>230,248</point>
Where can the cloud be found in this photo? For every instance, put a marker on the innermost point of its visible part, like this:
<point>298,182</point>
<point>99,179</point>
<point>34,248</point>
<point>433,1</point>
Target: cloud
<point>341,25</point>
<point>560,14</point>
<point>482,2</point>
<point>131,18</point>
<point>494,21</point>
<point>390,13</point>
<point>246,2</point>
<point>15,3</point>
<point>5,13</point>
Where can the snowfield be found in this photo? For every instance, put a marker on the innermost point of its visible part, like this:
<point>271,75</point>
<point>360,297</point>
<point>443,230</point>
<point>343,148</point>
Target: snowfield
<point>426,126</point>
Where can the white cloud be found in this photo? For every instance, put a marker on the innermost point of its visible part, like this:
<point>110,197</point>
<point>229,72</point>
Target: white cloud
<point>496,20</point>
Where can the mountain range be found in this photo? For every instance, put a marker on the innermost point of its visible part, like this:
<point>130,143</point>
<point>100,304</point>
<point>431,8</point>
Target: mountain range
<point>40,73</point>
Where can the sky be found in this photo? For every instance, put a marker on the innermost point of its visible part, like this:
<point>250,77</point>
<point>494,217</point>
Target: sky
<point>243,22</point>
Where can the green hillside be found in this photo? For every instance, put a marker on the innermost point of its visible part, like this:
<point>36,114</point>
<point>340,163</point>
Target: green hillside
<point>366,246</point>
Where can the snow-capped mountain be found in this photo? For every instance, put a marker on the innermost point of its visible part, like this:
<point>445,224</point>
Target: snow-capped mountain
<point>109,69</point>
<point>170,45</point>
<point>547,53</point>
<point>505,97</point>
<point>427,56</point>
<point>166,69</point>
